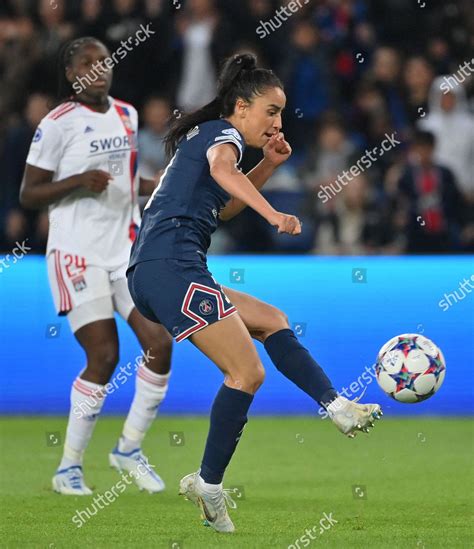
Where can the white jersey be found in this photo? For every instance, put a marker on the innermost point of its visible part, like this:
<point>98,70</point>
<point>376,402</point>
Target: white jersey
<point>71,140</point>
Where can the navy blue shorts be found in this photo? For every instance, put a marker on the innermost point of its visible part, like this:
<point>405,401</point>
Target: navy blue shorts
<point>181,295</point>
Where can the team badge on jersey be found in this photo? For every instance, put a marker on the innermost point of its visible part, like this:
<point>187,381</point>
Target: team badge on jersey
<point>206,307</point>
<point>79,283</point>
<point>38,135</point>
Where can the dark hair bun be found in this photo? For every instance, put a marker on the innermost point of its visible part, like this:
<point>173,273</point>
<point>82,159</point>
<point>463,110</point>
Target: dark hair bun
<point>247,61</point>
<point>233,69</point>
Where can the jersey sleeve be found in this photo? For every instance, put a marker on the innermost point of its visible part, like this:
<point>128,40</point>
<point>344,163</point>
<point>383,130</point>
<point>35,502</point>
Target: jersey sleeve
<point>219,135</point>
<point>47,146</point>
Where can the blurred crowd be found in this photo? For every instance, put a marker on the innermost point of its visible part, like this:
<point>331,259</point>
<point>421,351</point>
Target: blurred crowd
<point>380,91</point>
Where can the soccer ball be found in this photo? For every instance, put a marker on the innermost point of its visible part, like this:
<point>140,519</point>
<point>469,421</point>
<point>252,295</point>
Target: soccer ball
<point>410,368</point>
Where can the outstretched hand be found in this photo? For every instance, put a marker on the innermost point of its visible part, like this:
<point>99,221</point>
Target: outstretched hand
<point>277,150</point>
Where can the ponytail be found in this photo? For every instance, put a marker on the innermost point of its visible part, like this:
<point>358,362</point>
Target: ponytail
<point>239,77</point>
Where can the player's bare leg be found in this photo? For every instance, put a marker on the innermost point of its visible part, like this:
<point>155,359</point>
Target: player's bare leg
<point>228,344</point>
<point>155,339</point>
<point>150,391</point>
<point>269,325</point>
<point>99,340</point>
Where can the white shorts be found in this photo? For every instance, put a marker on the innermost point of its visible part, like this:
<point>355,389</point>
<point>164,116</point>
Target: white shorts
<point>86,293</point>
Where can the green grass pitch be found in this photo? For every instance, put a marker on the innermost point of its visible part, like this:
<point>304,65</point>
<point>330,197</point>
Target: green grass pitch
<point>409,484</point>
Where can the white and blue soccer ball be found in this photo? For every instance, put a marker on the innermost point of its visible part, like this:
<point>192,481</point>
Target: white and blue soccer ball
<point>410,368</point>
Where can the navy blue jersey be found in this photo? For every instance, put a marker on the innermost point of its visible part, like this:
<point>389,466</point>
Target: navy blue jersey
<point>182,213</point>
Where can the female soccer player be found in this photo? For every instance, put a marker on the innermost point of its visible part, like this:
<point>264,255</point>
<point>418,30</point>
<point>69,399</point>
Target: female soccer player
<point>170,282</point>
<point>83,165</point>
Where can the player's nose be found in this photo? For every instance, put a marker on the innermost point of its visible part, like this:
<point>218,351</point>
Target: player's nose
<point>277,124</point>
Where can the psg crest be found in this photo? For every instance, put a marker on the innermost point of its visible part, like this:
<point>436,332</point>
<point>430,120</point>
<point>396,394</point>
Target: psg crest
<point>206,307</point>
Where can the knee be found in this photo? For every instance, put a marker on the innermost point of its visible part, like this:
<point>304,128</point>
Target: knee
<point>157,346</point>
<point>278,320</point>
<point>101,363</point>
<point>250,380</point>
<point>156,338</point>
<point>258,376</point>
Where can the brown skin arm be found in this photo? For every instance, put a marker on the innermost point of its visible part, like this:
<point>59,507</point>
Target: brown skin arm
<point>222,162</point>
<point>147,186</point>
<point>258,176</point>
<point>276,151</point>
<point>38,190</point>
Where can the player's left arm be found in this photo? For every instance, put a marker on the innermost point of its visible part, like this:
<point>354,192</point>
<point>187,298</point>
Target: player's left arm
<point>146,186</point>
<point>276,151</point>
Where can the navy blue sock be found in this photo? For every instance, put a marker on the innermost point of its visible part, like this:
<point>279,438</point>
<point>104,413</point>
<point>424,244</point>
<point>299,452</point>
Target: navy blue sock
<point>228,418</point>
<point>295,362</point>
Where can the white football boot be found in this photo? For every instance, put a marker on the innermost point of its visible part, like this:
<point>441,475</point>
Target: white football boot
<point>350,417</point>
<point>212,505</point>
<point>70,482</point>
<point>136,464</point>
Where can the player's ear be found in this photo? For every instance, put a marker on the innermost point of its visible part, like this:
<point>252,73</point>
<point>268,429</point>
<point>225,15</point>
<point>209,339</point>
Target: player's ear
<point>69,75</point>
<point>241,107</point>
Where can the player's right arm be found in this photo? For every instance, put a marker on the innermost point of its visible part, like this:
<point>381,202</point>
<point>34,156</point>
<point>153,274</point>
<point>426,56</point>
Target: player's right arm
<point>223,169</point>
<point>47,148</point>
<point>39,190</point>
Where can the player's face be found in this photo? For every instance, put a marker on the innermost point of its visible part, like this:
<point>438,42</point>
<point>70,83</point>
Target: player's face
<point>262,117</point>
<point>88,73</point>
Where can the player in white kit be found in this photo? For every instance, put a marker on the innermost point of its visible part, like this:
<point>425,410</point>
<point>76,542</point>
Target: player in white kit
<point>82,164</point>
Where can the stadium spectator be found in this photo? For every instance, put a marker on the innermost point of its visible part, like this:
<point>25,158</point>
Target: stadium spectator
<point>328,156</point>
<point>92,19</point>
<point>156,115</point>
<point>417,79</point>
<point>385,73</point>
<point>428,204</point>
<point>352,222</point>
<point>19,224</point>
<point>452,124</point>
<point>204,40</point>
<point>305,73</point>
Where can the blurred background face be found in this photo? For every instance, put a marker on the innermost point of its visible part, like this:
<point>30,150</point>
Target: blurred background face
<point>370,100</point>
<point>260,8</point>
<point>156,115</point>
<point>386,65</point>
<point>331,137</point>
<point>124,7</point>
<point>51,14</point>
<point>36,108</point>
<point>91,9</point>
<point>418,73</point>
<point>305,36</point>
<point>200,8</point>
<point>422,153</point>
<point>448,101</point>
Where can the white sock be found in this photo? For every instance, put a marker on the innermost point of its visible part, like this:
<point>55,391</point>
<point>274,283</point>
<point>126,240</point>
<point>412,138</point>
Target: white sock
<point>337,404</point>
<point>210,488</point>
<point>150,390</point>
<point>87,399</point>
